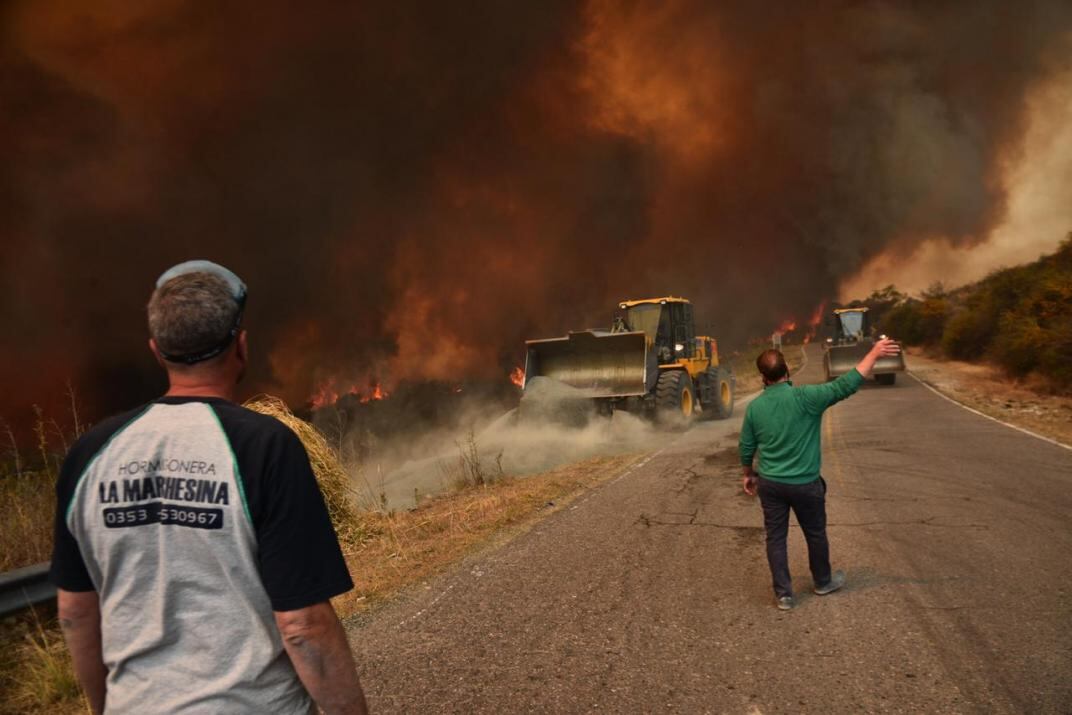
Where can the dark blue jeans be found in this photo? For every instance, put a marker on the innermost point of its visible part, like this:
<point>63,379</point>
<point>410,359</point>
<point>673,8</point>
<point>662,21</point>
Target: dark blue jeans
<point>808,502</point>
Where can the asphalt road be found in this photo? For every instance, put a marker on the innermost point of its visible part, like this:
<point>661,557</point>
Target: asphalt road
<point>651,593</point>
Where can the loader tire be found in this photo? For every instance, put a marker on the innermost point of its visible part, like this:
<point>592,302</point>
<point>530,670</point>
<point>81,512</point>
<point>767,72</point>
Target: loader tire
<point>675,398</point>
<point>887,378</point>
<point>723,384</point>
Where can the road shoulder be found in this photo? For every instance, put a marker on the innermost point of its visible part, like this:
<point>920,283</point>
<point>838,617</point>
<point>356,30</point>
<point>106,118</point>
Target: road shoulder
<point>985,389</point>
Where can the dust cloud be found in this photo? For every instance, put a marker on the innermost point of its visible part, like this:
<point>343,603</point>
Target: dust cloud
<point>404,468</point>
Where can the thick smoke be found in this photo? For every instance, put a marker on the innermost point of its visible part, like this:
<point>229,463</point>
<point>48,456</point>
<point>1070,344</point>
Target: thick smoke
<point>410,189</point>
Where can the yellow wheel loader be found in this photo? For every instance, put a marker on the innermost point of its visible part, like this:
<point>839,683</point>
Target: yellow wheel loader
<point>850,342</point>
<point>651,361</point>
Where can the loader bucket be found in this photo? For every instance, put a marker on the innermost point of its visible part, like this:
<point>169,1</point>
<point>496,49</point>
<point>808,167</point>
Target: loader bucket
<point>886,365</point>
<point>594,363</point>
<point>842,358</point>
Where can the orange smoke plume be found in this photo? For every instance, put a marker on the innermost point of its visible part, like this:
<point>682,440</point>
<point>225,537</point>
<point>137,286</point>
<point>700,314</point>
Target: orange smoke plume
<point>423,233</point>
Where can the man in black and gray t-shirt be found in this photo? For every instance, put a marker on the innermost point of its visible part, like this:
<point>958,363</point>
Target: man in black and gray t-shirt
<point>193,552</point>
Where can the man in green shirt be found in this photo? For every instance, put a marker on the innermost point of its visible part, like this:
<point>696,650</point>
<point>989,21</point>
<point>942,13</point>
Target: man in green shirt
<point>783,424</point>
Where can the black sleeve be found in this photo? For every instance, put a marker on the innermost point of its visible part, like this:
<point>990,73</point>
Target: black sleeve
<point>68,570</point>
<point>299,557</point>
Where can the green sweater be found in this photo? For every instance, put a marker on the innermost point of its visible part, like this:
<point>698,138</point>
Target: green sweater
<point>783,423</point>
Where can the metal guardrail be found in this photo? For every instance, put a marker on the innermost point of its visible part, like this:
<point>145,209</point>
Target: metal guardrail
<point>25,587</point>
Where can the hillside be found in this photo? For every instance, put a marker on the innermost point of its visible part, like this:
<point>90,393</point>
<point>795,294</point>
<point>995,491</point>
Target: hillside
<point>1018,318</point>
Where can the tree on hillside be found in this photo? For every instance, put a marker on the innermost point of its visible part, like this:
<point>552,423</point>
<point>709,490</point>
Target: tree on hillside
<point>881,302</point>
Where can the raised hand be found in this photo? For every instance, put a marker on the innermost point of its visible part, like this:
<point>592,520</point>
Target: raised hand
<point>886,347</point>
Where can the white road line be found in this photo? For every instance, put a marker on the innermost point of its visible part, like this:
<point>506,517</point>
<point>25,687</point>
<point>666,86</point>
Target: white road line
<point>634,467</point>
<point>944,396</point>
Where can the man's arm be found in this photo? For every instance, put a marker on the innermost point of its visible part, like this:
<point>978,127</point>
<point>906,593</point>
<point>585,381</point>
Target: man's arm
<point>79,614</point>
<point>316,643</point>
<point>819,397</point>
<point>300,563</point>
<point>885,347</point>
<point>746,445</point>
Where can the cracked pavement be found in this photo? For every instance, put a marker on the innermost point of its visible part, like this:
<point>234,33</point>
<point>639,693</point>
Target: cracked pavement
<point>651,593</point>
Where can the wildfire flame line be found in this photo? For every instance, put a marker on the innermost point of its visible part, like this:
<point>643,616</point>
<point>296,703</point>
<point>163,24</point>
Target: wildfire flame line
<point>790,324</point>
<point>328,394</point>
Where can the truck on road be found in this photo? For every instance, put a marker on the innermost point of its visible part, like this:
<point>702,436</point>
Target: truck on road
<point>852,339</point>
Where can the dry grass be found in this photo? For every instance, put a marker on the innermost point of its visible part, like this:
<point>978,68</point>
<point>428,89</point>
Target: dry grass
<point>36,674</point>
<point>406,548</point>
<point>29,490</point>
<point>334,481</point>
<point>470,470</point>
<point>26,529</point>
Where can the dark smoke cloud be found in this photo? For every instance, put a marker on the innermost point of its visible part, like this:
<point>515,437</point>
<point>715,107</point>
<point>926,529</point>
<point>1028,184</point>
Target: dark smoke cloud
<point>412,189</point>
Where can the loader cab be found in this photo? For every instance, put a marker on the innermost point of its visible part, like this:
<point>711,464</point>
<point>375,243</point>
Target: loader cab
<point>668,324</point>
<point>851,325</point>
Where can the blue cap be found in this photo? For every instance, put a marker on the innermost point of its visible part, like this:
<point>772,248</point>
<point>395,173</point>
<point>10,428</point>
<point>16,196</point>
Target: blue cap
<point>238,288</point>
<point>238,292</point>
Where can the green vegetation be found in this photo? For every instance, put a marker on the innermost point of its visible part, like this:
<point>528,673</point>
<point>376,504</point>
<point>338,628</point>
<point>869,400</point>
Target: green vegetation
<point>1020,318</point>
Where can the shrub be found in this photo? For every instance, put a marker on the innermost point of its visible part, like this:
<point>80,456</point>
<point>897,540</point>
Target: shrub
<point>967,335</point>
<point>933,313</point>
<point>905,323</point>
<point>1019,343</point>
<point>1055,362</point>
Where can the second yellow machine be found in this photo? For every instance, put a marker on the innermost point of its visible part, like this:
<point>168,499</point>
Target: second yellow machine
<point>650,361</point>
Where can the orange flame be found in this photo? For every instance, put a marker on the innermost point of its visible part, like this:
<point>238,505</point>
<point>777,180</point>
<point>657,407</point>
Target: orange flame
<point>813,322</point>
<point>517,376</point>
<point>329,393</point>
<point>787,326</point>
<point>377,394</point>
<point>817,316</point>
<point>324,396</point>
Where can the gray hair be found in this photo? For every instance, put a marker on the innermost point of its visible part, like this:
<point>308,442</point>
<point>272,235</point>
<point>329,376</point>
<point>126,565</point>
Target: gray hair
<point>191,313</point>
